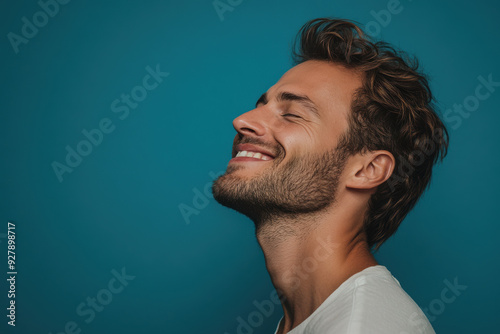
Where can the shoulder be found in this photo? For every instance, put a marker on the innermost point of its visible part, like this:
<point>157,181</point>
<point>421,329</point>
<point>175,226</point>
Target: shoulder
<point>371,301</point>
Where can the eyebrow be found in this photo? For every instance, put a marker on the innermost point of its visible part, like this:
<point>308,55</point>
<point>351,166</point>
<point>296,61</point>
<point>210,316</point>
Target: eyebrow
<point>288,96</point>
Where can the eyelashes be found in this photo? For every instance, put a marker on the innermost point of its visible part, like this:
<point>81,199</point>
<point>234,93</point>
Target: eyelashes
<point>291,115</point>
<point>284,114</point>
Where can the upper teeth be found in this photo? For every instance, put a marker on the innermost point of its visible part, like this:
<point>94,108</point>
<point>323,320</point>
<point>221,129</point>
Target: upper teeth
<point>256,155</point>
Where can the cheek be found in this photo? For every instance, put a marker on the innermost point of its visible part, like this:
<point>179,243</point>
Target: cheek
<point>328,140</point>
<point>299,138</point>
<point>279,126</point>
<point>297,143</point>
<point>300,128</point>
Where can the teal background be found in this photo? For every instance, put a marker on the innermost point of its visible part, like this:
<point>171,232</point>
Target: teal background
<point>120,206</point>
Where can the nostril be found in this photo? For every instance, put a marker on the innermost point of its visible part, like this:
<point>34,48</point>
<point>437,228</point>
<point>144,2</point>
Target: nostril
<point>247,126</point>
<point>245,129</point>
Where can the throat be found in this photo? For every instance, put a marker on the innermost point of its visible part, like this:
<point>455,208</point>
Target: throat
<point>308,262</point>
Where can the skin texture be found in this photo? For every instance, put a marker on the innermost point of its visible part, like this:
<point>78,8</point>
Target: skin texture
<point>308,253</point>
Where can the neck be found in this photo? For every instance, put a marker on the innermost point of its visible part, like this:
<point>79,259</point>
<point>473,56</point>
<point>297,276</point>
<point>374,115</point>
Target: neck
<point>310,257</point>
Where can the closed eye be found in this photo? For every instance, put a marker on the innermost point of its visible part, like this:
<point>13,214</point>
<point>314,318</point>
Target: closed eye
<point>291,115</point>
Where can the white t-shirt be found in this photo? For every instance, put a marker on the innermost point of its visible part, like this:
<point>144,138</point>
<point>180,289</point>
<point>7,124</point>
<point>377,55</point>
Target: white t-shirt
<point>369,302</point>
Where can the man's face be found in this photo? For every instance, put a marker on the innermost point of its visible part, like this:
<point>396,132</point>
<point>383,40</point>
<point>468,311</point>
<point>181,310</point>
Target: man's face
<point>285,158</point>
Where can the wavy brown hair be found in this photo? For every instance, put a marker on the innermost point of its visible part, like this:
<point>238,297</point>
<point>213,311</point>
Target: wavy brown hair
<point>393,111</point>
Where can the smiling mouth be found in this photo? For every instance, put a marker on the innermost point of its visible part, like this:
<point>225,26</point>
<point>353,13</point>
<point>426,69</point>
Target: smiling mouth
<point>249,152</point>
<point>254,155</point>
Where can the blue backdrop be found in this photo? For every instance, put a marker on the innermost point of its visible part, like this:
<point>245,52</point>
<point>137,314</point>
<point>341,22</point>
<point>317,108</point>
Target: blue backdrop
<point>116,116</point>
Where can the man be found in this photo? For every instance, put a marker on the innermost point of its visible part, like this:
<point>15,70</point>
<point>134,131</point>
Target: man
<point>327,165</point>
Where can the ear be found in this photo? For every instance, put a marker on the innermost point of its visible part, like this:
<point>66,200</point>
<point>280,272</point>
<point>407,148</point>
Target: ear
<point>370,170</point>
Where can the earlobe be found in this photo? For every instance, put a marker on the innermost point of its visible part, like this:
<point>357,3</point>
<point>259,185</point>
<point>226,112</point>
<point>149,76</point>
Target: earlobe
<point>372,169</point>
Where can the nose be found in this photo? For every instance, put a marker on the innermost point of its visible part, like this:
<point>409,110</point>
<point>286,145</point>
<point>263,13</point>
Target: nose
<point>251,123</point>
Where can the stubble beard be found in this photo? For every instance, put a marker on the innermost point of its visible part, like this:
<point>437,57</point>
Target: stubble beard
<point>299,187</point>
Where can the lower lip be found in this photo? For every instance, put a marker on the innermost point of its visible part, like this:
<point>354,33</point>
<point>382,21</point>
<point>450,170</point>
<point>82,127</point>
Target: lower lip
<point>244,159</point>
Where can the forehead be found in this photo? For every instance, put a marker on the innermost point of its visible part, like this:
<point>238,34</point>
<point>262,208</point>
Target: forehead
<point>330,86</point>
